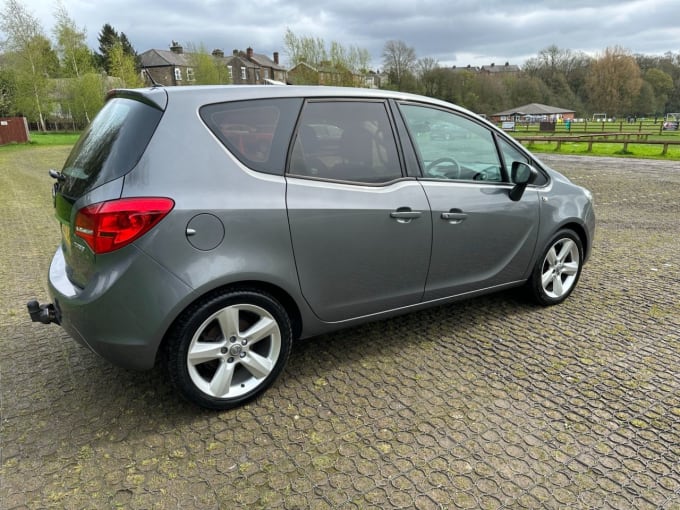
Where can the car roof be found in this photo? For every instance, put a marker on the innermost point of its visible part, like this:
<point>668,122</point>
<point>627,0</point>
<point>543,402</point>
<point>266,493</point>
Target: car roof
<point>208,94</point>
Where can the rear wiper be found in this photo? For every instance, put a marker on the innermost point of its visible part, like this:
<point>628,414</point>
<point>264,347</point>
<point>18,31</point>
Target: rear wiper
<point>57,175</point>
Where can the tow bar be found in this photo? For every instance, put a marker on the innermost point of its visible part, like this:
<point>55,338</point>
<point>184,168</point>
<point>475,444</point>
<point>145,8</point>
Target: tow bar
<point>42,313</point>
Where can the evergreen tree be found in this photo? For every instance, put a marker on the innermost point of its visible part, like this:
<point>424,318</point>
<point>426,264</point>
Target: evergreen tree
<point>108,38</point>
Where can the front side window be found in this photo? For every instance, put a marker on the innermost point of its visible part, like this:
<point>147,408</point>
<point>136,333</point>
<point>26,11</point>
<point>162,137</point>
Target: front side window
<point>346,141</point>
<point>451,146</point>
<point>190,74</point>
<point>243,72</point>
<point>178,74</point>
<point>231,72</point>
<point>257,132</point>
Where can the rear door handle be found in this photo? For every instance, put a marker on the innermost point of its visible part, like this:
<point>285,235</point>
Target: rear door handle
<point>454,216</point>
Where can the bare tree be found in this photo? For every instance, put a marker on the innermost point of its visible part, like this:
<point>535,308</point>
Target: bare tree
<point>399,61</point>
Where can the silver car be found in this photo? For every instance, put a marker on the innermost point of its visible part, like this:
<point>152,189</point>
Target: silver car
<point>207,228</point>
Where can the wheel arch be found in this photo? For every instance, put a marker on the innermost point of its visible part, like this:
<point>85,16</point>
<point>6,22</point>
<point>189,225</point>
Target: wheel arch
<point>286,301</point>
<point>580,231</point>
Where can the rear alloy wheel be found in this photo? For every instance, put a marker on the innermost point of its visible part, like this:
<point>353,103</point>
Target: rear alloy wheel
<point>228,349</point>
<point>558,270</point>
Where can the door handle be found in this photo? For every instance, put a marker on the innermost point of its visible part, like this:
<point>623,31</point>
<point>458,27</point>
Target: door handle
<point>405,215</point>
<point>454,216</point>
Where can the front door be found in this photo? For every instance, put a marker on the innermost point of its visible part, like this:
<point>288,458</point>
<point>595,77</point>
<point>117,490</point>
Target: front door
<point>481,238</point>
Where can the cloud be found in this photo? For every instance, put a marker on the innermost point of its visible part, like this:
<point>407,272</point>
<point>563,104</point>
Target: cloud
<point>456,32</point>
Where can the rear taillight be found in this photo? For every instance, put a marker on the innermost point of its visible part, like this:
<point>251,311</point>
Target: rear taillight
<point>108,226</point>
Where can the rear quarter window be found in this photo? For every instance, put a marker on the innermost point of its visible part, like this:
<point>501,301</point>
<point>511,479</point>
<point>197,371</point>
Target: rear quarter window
<point>257,132</point>
<point>110,146</point>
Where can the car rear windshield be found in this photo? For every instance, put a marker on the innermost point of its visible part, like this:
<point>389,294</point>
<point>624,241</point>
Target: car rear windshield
<point>257,132</point>
<point>110,146</point>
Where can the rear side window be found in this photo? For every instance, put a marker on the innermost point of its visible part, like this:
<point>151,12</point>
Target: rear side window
<point>257,132</point>
<point>345,141</point>
<point>110,146</point>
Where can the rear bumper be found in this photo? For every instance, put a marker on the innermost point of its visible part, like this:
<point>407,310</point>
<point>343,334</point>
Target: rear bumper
<point>123,313</point>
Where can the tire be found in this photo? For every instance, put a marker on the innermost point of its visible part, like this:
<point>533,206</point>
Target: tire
<point>228,349</point>
<point>558,269</point>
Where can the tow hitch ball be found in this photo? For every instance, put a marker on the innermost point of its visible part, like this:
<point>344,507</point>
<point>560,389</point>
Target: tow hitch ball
<point>42,313</point>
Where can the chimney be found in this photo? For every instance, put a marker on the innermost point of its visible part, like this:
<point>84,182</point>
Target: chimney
<point>249,52</point>
<point>492,64</point>
<point>276,57</point>
<point>235,53</point>
<point>176,48</point>
<point>217,53</point>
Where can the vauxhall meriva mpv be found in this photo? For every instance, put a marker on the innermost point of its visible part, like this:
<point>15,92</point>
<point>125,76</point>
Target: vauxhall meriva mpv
<point>207,228</point>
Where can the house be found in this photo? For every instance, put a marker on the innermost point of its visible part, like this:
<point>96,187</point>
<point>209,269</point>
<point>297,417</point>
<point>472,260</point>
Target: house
<point>170,68</point>
<point>265,68</point>
<point>468,68</point>
<point>500,70</point>
<point>534,112</point>
<point>492,69</point>
<point>173,67</point>
<point>241,70</point>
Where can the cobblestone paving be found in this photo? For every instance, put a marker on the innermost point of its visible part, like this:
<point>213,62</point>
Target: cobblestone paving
<point>491,403</point>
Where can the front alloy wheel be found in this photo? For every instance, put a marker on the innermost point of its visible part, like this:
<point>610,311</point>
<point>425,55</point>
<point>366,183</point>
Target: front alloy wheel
<point>229,349</point>
<point>558,270</point>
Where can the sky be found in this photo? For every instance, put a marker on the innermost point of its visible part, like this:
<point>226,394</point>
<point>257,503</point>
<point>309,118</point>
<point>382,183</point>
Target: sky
<point>454,32</point>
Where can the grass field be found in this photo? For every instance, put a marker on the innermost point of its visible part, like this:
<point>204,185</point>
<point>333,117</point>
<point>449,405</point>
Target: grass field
<point>609,148</point>
<point>650,129</point>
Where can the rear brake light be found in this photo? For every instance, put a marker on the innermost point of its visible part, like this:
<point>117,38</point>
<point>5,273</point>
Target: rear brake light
<point>108,226</point>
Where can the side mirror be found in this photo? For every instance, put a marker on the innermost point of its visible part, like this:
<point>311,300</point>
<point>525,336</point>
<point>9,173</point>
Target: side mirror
<point>522,175</point>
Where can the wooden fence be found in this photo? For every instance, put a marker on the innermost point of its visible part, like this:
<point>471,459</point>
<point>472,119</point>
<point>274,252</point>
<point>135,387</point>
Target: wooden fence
<point>590,140</point>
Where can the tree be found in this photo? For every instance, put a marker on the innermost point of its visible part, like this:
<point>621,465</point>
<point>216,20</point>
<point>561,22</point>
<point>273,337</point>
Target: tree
<point>71,44</point>
<point>306,49</point>
<point>80,90</point>
<point>29,54</point>
<point>108,38</point>
<point>662,86</point>
<point>314,52</point>
<point>208,69</point>
<point>399,61</point>
<point>562,70</point>
<point>526,89</point>
<point>122,65</point>
<point>8,89</point>
<point>613,81</point>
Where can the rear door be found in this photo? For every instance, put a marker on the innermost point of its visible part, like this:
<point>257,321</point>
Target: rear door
<point>361,232</point>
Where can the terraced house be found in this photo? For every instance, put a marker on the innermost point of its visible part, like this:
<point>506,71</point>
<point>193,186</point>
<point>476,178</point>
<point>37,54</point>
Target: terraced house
<point>173,67</point>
